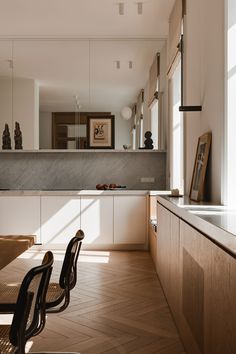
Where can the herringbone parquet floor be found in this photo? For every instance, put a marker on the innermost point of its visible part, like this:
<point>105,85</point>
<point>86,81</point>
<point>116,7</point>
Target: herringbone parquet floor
<point>117,307</point>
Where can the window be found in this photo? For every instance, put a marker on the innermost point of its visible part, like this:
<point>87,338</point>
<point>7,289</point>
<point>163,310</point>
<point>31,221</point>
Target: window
<point>176,130</point>
<point>154,124</point>
<point>230,187</point>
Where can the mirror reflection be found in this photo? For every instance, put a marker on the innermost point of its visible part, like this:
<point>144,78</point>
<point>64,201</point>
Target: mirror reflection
<point>64,93</point>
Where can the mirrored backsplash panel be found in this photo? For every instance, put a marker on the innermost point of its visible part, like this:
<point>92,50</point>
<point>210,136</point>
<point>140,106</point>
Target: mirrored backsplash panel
<point>41,80</point>
<point>75,171</point>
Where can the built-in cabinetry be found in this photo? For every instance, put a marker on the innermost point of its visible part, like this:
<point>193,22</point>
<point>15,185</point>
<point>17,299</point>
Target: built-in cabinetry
<point>20,215</point>
<point>129,216</point>
<point>105,219</point>
<point>60,218</point>
<point>97,219</point>
<point>199,281</point>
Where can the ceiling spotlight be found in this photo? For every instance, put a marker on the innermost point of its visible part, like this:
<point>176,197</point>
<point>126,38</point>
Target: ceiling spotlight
<point>121,6</point>
<point>140,8</point>
<point>130,64</point>
<point>117,64</point>
<point>10,63</point>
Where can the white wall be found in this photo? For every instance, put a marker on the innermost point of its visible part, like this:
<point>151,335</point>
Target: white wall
<point>19,102</point>
<point>6,105</point>
<point>26,111</point>
<point>122,131</point>
<point>163,103</point>
<point>45,130</point>
<point>230,193</point>
<point>204,85</point>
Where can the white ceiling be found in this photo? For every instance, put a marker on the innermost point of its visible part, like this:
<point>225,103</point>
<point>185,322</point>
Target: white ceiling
<point>78,66</point>
<point>84,18</point>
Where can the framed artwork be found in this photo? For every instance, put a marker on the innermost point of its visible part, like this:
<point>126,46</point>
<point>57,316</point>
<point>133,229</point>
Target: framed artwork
<point>200,166</point>
<point>101,132</point>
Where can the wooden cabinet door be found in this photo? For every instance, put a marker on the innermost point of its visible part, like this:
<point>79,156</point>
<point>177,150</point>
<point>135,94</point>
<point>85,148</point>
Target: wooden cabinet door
<point>174,267</point>
<point>163,245</point>
<point>60,219</point>
<point>220,302</point>
<point>97,219</point>
<point>20,215</point>
<point>193,261</point>
<point>208,294</point>
<point>130,219</point>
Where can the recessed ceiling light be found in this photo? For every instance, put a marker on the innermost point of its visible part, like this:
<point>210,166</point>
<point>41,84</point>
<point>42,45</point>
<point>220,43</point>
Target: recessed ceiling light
<point>140,7</point>
<point>121,6</point>
<point>117,64</point>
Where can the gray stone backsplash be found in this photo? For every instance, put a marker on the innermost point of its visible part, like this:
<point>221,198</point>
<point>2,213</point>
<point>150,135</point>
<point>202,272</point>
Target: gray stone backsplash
<point>70,170</point>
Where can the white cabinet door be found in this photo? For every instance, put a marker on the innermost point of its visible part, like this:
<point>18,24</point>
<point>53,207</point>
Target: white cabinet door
<point>97,219</point>
<point>20,215</point>
<point>130,219</point>
<point>60,218</point>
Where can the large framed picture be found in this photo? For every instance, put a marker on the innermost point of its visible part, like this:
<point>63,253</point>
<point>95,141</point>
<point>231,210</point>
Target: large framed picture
<point>101,132</point>
<point>200,166</point>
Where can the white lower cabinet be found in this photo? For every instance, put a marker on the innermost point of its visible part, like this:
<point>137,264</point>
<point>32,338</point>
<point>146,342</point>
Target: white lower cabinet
<point>97,219</point>
<point>20,215</point>
<point>60,218</point>
<point>130,219</point>
<point>106,220</point>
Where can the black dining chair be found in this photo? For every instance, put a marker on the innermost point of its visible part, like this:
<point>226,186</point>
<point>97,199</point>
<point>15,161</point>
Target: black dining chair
<point>29,313</point>
<point>58,294</point>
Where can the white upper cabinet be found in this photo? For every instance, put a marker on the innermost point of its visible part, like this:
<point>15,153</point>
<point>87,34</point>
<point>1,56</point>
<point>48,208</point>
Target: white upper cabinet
<point>60,218</point>
<point>130,219</point>
<point>97,219</point>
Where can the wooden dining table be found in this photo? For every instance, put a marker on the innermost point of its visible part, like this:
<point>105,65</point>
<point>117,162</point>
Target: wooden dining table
<point>12,269</point>
<point>11,246</point>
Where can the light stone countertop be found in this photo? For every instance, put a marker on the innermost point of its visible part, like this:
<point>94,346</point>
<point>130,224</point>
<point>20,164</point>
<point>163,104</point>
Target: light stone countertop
<point>82,151</point>
<point>215,221</point>
<point>125,192</point>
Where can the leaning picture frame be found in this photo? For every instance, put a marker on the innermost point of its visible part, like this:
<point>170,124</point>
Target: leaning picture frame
<point>100,132</point>
<point>200,166</point>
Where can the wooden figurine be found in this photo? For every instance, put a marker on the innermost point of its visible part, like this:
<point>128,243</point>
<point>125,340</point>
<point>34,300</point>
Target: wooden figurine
<point>18,136</point>
<point>148,142</point>
<point>6,138</point>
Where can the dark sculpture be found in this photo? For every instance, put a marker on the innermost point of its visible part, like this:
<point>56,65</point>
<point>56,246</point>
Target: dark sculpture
<point>148,142</point>
<point>6,138</point>
<point>17,136</point>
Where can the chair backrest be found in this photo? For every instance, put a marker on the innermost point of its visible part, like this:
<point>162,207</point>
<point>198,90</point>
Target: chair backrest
<point>30,306</point>
<point>68,276</point>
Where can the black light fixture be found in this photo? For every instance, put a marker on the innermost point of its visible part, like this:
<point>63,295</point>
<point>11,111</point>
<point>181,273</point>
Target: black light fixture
<point>182,107</point>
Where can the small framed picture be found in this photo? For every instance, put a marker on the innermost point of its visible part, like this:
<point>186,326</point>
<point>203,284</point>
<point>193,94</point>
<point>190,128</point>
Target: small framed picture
<point>101,132</point>
<point>200,166</point>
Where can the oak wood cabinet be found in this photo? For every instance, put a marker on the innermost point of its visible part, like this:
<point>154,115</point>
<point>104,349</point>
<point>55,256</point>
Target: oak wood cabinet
<point>199,281</point>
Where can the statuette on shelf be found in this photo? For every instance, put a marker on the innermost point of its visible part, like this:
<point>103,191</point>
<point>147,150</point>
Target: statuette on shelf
<point>6,138</point>
<point>18,136</point>
<point>148,142</point>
